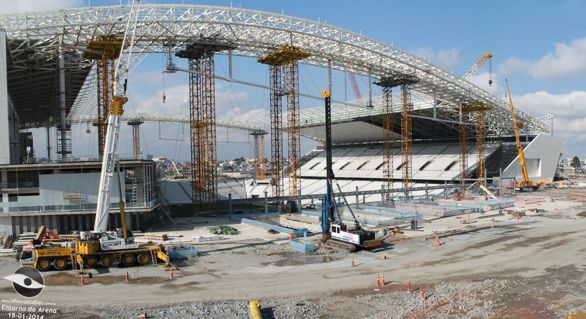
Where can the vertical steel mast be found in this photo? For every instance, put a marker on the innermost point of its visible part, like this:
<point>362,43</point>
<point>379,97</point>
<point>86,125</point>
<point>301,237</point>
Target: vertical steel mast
<point>113,129</point>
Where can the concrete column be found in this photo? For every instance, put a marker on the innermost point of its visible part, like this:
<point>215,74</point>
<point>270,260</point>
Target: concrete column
<point>48,142</point>
<point>9,145</point>
<point>230,205</point>
<point>62,106</point>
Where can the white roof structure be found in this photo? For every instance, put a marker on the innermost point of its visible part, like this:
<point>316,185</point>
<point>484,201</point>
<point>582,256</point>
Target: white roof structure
<point>253,33</point>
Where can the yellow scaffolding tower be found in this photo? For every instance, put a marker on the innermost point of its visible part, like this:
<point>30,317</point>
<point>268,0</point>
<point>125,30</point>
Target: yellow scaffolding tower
<point>285,60</point>
<point>104,50</point>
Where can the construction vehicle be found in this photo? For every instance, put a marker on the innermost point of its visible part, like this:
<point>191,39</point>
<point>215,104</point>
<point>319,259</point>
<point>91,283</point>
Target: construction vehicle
<point>335,232</point>
<point>526,184</point>
<point>101,247</point>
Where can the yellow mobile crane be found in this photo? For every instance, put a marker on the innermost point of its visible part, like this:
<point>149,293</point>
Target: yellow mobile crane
<point>525,184</point>
<point>101,247</point>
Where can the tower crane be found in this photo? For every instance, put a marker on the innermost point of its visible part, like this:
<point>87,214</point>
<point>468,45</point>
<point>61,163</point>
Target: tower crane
<point>525,184</point>
<point>486,57</point>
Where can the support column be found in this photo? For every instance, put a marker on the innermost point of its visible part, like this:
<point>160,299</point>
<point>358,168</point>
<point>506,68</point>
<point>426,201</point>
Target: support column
<point>388,133</point>
<point>104,50</point>
<point>63,129</point>
<point>135,124</point>
<point>285,60</point>
<point>480,144</point>
<point>259,154</point>
<point>463,140</point>
<point>202,115</point>
<point>9,145</point>
<point>406,137</point>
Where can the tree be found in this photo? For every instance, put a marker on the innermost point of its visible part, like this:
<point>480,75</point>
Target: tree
<point>576,163</point>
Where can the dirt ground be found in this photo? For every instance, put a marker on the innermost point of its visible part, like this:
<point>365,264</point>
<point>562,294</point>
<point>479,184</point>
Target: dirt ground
<point>528,267</point>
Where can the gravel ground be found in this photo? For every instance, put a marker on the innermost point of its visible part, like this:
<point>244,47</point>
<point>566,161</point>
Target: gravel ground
<point>457,299</point>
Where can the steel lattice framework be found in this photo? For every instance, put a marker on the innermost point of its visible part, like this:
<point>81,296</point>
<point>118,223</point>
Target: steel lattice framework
<point>202,109</point>
<point>389,136</point>
<point>169,118</point>
<point>276,112</point>
<point>406,136</point>
<point>252,33</point>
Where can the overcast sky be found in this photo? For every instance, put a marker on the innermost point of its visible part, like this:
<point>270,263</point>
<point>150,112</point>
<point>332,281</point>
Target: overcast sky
<point>540,46</point>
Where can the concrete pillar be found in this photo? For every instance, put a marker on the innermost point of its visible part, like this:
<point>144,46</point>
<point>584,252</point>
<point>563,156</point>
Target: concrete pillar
<point>137,221</point>
<point>20,227</point>
<point>229,206</point>
<point>5,225</point>
<point>62,106</point>
<point>9,141</point>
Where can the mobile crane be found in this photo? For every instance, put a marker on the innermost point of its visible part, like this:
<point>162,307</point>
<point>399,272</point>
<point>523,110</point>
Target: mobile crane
<point>100,247</point>
<point>526,184</point>
<point>334,231</point>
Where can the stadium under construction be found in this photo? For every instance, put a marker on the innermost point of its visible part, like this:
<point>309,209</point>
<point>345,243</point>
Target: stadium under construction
<point>428,132</point>
<point>433,179</point>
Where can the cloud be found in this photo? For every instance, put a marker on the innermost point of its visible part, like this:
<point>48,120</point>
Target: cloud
<point>258,116</point>
<point>567,60</point>
<point>18,6</point>
<point>481,80</point>
<point>569,111</point>
<point>177,100</point>
<point>445,58</point>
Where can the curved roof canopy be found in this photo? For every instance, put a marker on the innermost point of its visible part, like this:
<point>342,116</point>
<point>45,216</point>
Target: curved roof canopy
<point>251,33</point>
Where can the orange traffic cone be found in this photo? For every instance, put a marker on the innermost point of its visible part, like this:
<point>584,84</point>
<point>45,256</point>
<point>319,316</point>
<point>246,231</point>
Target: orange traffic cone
<point>421,293</point>
<point>409,288</point>
<point>353,263</point>
<point>382,281</point>
<point>126,277</point>
<point>171,274</point>
<point>81,281</point>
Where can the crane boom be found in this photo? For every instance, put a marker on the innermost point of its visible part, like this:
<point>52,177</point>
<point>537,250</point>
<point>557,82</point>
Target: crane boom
<point>516,127</point>
<point>486,56</point>
<point>113,128</point>
<point>355,87</point>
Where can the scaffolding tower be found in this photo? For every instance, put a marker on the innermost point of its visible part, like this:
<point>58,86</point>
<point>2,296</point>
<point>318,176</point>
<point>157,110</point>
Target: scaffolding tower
<point>406,137</point>
<point>463,141</point>
<point>104,50</point>
<point>202,117</point>
<point>475,111</point>
<point>405,81</point>
<point>388,131</point>
<point>135,124</point>
<point>259,154</point>
<point>284,80</point>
